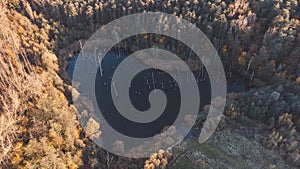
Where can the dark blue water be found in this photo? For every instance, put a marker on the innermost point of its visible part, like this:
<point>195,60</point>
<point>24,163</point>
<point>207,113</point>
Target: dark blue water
<point>233,85</point>
<point>142,84</point>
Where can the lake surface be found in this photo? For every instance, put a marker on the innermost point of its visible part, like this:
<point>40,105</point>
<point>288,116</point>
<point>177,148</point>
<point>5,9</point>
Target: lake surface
<point>142,84</point>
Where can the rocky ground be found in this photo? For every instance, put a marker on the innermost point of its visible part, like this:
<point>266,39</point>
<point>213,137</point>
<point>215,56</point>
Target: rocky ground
<point>232,148</point>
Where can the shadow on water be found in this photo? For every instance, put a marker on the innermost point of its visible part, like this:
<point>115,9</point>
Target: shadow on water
<point>142,84</point>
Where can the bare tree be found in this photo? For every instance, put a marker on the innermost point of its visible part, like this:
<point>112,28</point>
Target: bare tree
<point>14,86</point>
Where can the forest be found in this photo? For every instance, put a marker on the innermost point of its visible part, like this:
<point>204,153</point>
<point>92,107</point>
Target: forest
<point>258,40</point>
